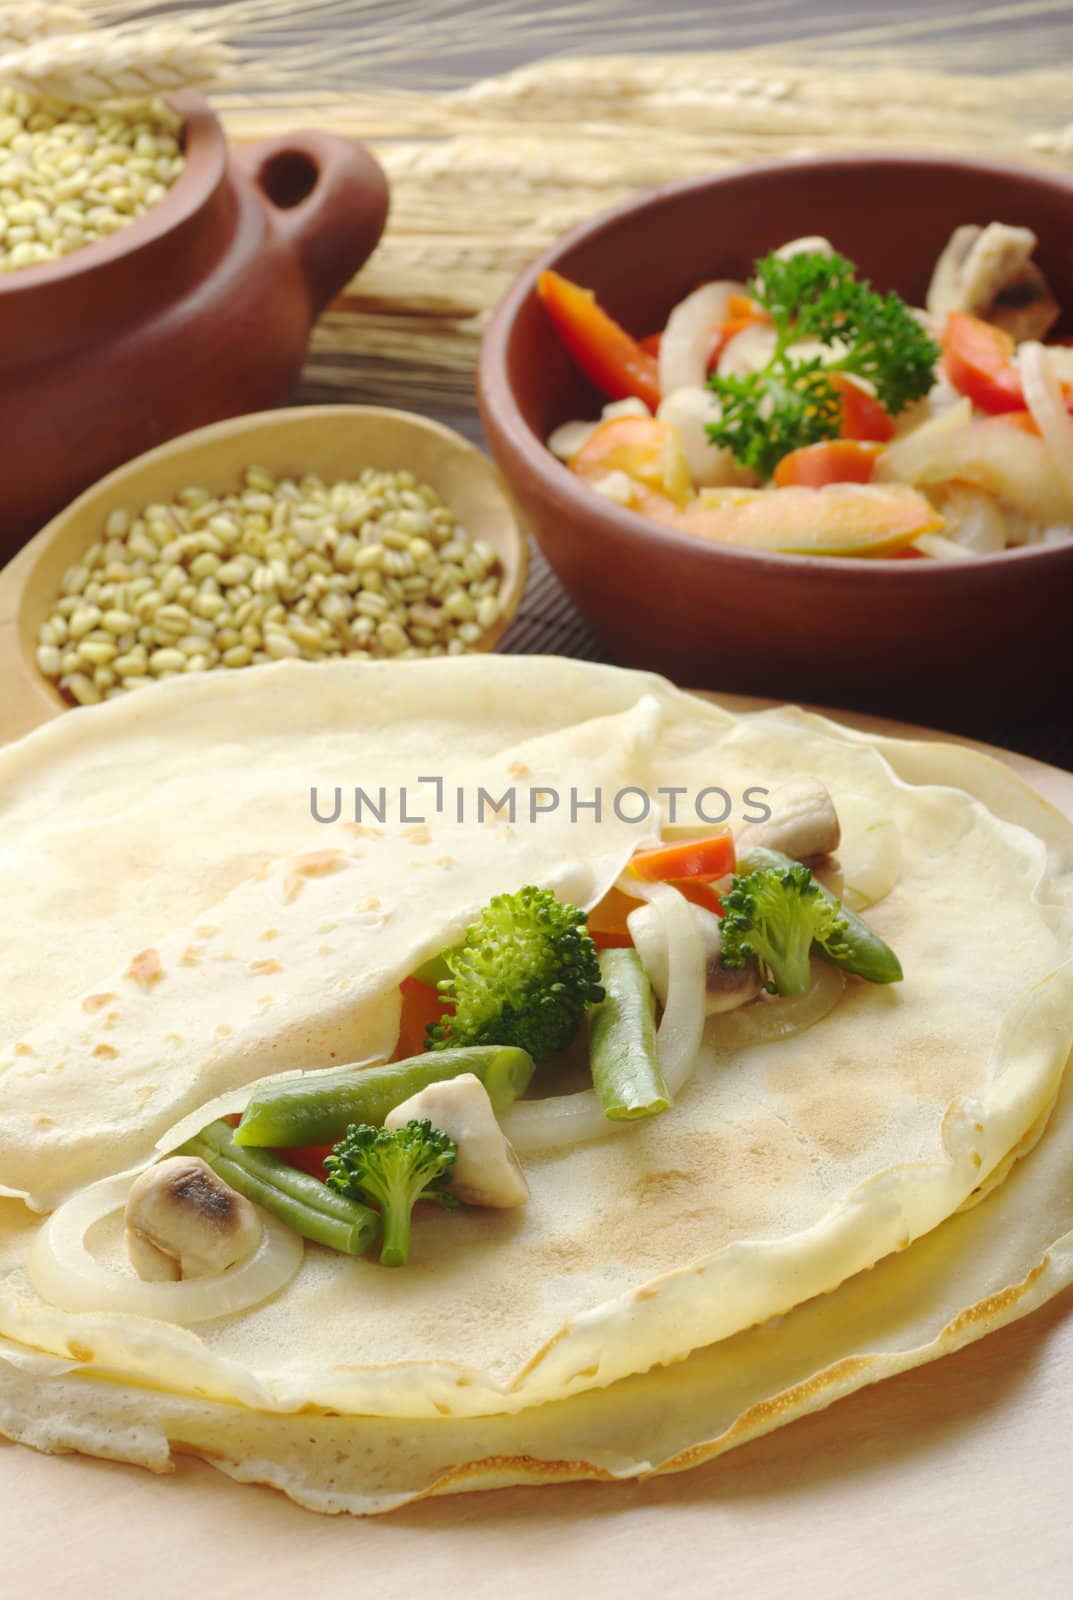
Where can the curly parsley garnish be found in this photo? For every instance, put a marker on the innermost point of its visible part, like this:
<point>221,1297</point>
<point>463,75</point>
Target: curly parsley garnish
<point>792,402</point>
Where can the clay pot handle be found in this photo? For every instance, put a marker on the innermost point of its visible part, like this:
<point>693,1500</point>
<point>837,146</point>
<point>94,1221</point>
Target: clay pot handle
<point>328,198</point>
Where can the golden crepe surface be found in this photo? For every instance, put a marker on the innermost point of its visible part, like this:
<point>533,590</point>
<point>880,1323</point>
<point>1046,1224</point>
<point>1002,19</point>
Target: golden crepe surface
<point>783,1171</point>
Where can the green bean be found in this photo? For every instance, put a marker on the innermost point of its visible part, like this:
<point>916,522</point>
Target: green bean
<point>622,1042</point>
<point>869,956</point>
<point>296,1198</point>
<point>304,1111</point>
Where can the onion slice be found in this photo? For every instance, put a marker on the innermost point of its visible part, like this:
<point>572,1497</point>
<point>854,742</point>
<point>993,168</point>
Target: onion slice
<point>682,1024</point>
<point>1047,405</point>
<point>567,1119</point>
<point>870,854</point>
<point>65,1272</point>
<point>687,338</point>
<point>781,1016</point>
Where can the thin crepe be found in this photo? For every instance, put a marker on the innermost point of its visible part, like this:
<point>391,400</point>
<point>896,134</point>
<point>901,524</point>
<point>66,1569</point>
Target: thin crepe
<point>784,1169</point>
<point>971,1276</point>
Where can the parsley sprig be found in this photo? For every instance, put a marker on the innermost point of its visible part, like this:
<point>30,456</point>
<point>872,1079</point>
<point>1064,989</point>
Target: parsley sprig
<point>792,402</point>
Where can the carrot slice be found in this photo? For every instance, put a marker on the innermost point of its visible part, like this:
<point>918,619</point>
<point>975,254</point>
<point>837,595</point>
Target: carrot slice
<point>699,860</point>
<point>832,461</point>
<point>701,894</point>
<point>645,449</point>
<point>607,919</point>
<point>1023,421</point>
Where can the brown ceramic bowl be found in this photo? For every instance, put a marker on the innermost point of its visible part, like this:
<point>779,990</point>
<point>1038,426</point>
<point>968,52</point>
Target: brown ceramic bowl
<point>964,645</point>
<point>199,309</point>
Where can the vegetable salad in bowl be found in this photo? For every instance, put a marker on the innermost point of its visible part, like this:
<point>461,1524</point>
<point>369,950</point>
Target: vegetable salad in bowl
<point>807,413</point>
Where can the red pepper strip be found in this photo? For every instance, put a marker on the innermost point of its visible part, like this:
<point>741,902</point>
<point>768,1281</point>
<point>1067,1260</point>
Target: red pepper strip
<point>650,344</point>
<point>979,363</point>
<point>609,357</point>
<point>421,1004</point>
<point>698,860</point>
<point>862,415</point>
<point>310,1160</point>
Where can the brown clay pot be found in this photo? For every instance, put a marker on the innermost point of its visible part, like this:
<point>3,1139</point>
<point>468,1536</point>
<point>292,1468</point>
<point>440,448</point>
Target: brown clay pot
<point>967,644</point>
<point>201,309</point>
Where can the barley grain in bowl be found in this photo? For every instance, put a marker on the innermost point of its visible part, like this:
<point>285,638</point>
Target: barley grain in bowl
<point>71,175</point>
<point>140,251</point>
<point>290,567</point>
<point>315,533</point>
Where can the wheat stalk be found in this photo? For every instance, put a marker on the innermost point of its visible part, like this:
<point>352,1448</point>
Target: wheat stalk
<point>484,177</point>
<point>106,66</point>
<point>28,21</point>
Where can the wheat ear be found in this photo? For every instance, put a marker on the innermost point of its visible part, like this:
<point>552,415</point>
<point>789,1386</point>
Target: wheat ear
<point>27,22</point>
<point>95,66</point>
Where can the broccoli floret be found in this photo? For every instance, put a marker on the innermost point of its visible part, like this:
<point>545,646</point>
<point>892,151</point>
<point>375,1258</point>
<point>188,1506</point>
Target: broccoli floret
<point>777,916</point>
<point>523,976</point>
<point>393,1169</point>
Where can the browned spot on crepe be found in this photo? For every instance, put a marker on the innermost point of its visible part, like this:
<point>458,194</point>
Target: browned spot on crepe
<point>146,969</point>
<point>96,1002</point>
<point>317,864</point>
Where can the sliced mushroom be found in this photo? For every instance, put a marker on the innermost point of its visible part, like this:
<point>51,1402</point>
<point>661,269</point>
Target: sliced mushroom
<point>803,823</point>
<point>724,989</point>
<point>486,1170</point>
<point>182,1221</point>
<point>727,988</point>
<point>810,244</point>
<point>989,273</point>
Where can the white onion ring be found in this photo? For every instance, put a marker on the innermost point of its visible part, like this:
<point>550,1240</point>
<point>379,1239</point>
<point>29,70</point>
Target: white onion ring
<point>870,854</point>
<point>63,1271</point>
<point>781,1016</point>
<point>1046,402</point>
<point>560,1120</point>
<point>687,337</point>
<point>567,1119</point>
<point>682,1024</point>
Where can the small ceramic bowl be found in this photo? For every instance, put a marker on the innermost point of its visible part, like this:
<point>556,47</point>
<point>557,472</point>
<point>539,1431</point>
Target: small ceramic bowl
<point>969,644</point>
<point>199,309</point>
<point>333,442</point>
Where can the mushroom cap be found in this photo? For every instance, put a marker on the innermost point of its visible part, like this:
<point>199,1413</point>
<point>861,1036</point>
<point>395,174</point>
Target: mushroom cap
<point>486,1169</point>
<point>182,1211</point>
